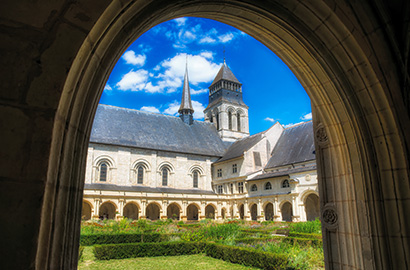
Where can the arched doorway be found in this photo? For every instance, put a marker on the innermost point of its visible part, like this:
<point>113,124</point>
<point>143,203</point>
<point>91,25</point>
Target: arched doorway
<point>210,211</point>
<point>173,211</point>
<point>362,115</point>
<point>86,211</point>
<point>286,211</point>
<point>192,212</point>
<point>312,207</point>
<point>254,211</point>
<point>131,211</point>
<point>107,211</point>
<point>223,213</point>
<point>153,211</point>
<point>269,211</point>
<point>241,211</point>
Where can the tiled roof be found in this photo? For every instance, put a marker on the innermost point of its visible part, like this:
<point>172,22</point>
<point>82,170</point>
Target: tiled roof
<point>225,73</point>
<point>295,145</point>
<point>238,148</point>
<point>112,187</point>
<point>282,173</point>
<point>132,128</point>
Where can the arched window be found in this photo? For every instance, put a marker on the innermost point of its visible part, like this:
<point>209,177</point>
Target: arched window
<point>268,186</point>
<point>211,118</point>
<point>230,120</point>
<point>217,120</point>
<point>103,172</point>
<point>195,177</point>
<point>140,175</point>
<point>165,176</point>
<point>285,183</point>
<point>238,120</point>
<point>254,188</point>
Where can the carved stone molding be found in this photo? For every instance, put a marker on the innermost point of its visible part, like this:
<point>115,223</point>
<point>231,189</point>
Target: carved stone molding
<point>321,135</point>
<point>330,217</point>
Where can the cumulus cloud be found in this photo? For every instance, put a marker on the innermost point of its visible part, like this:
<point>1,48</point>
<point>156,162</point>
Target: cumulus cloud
<point>150,109</point>
<point>207,40</point>
<point>107,87</point>
<point>131,58</point>
<point>172,109</point>
<point>133,80</point>
<point>198,92</point>
<point>307,117</point>
<point>226,37</point>
<point>180,21</point>
<point>269,119</point>
<point>292,124</point>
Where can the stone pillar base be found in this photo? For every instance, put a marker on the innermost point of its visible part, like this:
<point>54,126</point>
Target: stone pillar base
<point>184,218</point>
<point>163,217</point>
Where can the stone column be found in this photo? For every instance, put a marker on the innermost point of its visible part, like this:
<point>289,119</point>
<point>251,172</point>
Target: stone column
<point>295,214</point>
<point>164,210</point>
<point>218,214</point>
<point>121,203</point>
<point>97,203</point>
<point>143,209</point>
<point>246,214</point>
<point>184,210</point>
<point>234,122</point>
<point>260,213</point>
<point>234,210</point>
<point>201,210</point>
<point>276,216</point>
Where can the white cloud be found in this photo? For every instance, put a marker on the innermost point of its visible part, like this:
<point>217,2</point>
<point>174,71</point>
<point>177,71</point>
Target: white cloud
<point>207,40</point>
<point>172,108</point>
<point>307,116</point>
<point>292,124</point>
<point>198,109</point>
<point>226,37</point>
<point>197,106</point>
<point>180,21</point>
<point>107,87</point>
<point>269,119</point>
<point>151,88</point>
<point>198,92</point>
<point>131,58</point>
<point>208,55</point>
<point>150,109</point>
<point>133,80</point>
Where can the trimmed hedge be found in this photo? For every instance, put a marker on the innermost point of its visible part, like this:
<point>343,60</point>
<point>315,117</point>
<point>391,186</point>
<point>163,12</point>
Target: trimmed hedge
<point>303,241</point>
<point>101,238</point>
<point>80,252</point>
<point>250,240</point>
<point>246,256</point>
<point>231,254</point>
<point>133,250</point>
<point>306,235</point>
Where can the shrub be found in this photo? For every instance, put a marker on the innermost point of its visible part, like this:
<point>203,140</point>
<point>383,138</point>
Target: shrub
<point>303,241</point>
<point>121,251</point>
<point>246,256</point>
<point>80,252</point>
<point>307,227</point>
<point>103,238</point>
<point>306,235</point>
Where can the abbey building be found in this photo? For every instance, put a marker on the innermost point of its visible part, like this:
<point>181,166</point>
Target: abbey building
<point>146,165</point>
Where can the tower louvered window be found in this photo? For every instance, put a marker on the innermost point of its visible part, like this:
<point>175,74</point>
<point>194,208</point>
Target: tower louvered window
<point>238,119</point>
<point>230,120</point>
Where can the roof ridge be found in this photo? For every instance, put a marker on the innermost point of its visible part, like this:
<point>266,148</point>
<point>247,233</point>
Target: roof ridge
<point>298,124</point>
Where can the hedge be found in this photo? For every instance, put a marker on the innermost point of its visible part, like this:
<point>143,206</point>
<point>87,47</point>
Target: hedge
<point>303,241</point>
<point>102,238</point>
<point>306,235</point>
<point>133,250</point>
<point>248,257</point>
<point>231,254</point>
<point>80,252</point>
<point>250,240</point>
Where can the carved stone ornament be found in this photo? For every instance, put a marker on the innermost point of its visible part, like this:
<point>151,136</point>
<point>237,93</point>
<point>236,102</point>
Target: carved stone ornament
<point>330,217</point>
<point>321,135</point>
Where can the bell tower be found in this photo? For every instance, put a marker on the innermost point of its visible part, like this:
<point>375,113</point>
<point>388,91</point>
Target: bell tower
<point>226,108</point>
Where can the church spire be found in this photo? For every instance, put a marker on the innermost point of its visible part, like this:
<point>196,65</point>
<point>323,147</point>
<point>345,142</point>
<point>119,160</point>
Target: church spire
<point>185,110</point>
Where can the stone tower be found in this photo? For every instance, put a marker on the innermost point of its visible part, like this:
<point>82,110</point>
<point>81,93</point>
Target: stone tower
<point>185,110</point>
<point>226,108</point>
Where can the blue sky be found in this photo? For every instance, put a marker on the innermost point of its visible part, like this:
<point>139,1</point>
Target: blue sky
<point>149,75</point>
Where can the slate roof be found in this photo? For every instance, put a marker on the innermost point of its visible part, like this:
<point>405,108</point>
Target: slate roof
<point>238,148</point>
<point>282,173</point>
<point>225,73</point>
<point>186,96</point>
<point>112,187</point>
<point>296,144</point>
<point>132,128</point>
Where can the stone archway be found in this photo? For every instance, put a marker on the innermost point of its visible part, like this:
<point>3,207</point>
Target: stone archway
<point>254,211</point>
<point>210,211</point>
<point>153,211</point>
<point>131,211</point>
<point>107,211</point>
<point>269,211</point>
<point>86,211</point>
<point>312,207</point>
<point>286,211</point>
<point>192,212</point>
<point>173,211</point>
<point>347,55</point>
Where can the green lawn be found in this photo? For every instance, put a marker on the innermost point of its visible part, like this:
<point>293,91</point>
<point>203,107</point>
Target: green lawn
<point>191,262</point>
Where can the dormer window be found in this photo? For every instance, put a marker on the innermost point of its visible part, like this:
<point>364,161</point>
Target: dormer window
<point>254,188</point>
<point>234,168</point>
<point>219,173</point>
<point>268,186</point>
<point>285,183</point>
